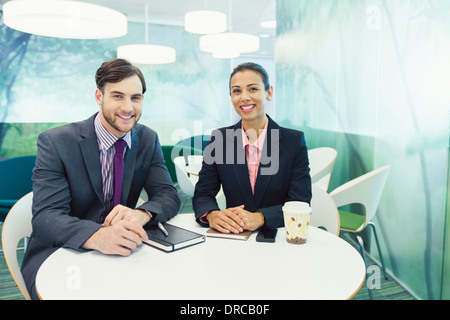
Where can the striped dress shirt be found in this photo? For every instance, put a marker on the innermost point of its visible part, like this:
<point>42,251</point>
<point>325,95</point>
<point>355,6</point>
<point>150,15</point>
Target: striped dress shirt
<point>106,142</point>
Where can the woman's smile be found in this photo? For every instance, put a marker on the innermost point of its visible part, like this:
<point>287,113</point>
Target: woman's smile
<point>247,108</point>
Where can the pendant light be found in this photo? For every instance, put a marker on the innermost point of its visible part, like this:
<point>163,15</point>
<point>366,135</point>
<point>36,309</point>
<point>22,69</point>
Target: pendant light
<point>205,22</point>
<point>269,24</point>
<point>64,19</point>
<point>228,45</point>
<point>147,53</point>
<point>230,42</point>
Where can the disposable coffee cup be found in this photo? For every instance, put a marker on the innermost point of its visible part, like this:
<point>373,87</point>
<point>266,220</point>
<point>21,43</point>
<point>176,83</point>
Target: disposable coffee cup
<point>296,221</point>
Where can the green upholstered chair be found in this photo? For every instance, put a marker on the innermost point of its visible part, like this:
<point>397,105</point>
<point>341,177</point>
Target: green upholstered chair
<point>15,181</point>
<point>167,153</point>
<point>365,190</point>
<point>197,142</point>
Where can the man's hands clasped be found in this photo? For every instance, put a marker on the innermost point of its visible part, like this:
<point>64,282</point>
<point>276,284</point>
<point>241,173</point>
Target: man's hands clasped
<point>122,232</point>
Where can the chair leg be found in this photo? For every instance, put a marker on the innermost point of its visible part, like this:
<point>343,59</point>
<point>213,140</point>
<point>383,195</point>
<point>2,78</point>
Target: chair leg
<point>379,249</point>
<point>361,247</point>
<point>363,254</point>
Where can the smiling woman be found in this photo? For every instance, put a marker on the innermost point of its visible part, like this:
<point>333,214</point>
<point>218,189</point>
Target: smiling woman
<point>245,161</point>
<point>249,89</point>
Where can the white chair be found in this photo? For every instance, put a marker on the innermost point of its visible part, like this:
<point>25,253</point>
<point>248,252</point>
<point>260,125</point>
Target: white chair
<point>17,226</point>
<point>321,164</point>
<point>324,213</point>
<point>196,159</point>
<point>140,202</point>
<point>221,200</point>
<point>365,190</point>
<point>194,165</point>
<point>185,182</point>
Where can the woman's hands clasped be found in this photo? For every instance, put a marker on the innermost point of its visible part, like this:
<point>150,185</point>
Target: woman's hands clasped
<point>235,220</point>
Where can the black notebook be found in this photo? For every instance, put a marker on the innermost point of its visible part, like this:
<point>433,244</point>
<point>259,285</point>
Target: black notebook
<point>178,238</point>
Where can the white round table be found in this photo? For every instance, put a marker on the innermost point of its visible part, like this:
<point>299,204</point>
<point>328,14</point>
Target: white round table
<point>326,267</point>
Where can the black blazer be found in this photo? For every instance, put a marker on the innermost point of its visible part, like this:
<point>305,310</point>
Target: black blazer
<point>283,173</point>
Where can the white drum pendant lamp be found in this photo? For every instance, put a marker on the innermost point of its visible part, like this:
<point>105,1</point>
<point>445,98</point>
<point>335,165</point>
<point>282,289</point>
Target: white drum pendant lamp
<point>147,53</point>
<point>205,22</point>
<point>229,42</point>
<point>64,19</point>
<point>225,53</point>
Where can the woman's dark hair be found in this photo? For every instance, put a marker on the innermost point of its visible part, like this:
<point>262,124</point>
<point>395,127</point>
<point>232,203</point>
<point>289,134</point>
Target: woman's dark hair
<point>254,67</point>
<point>116,70</point>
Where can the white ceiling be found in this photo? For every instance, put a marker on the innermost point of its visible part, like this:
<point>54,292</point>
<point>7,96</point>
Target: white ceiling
<point>243,15</point>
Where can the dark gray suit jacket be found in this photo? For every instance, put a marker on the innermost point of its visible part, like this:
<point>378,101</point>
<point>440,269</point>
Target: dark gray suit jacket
<point>68,188</point>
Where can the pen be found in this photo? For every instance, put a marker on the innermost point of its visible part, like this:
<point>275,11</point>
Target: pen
<point>163,229</point>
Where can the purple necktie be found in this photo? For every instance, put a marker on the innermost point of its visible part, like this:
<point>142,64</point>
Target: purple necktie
<point>118,170</point>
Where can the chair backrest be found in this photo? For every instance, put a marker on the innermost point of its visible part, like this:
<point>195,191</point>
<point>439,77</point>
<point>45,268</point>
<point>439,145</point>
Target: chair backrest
<point>167,153</point>
<point>366,190</point>
<point>18,172</point>
<point>321,164</point>
<point>220,197</point>
<point>324,212</point>
<point>140,202</point>
<point>198,142</point>
<point>197,159</point>
<point>17,226</point>
<point>221,200</point>
<point>186,184</point>
<point>171,152</point>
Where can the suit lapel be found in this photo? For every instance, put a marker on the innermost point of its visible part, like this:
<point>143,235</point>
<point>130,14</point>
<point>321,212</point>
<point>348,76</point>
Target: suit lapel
<point>91,155</point>
<point>129,165</point>
<point>240,164</point>
<point>269,161</point>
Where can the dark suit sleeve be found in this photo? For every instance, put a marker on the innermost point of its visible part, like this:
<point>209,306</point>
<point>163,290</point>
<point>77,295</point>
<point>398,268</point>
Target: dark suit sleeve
<point>208,184</point>
<point>299,184</point>
<point>52,223</point>
<point>163,199</point>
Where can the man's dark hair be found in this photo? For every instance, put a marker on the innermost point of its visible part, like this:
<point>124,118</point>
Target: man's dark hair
<point>254,67</point>
<point>116,70</point>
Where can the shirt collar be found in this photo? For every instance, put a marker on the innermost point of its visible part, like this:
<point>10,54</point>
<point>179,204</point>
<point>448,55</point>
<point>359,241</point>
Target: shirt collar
<point>107,139</point>
<point>259,143</point>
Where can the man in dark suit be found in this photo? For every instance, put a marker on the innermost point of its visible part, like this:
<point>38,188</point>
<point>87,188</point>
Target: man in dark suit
<point>259,164</point>
<point>74,178</point>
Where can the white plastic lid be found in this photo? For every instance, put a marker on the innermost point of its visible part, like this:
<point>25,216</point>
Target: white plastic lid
<point>296,207</point>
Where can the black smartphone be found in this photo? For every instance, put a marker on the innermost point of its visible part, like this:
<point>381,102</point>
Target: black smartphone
<point>266,234</point>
